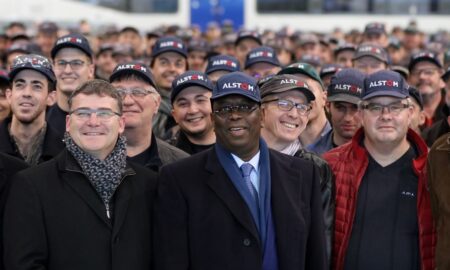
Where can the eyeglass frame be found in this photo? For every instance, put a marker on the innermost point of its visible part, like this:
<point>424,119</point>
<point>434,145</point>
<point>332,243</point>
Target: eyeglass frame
<point>62,64</point>
<point>96,111</point>
<point>365,106</point>
<point>242,109</point>
<point>144,92</point>
<point>294,104</point>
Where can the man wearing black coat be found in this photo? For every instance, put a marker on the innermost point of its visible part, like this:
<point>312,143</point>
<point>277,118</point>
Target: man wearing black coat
<point>239,205</point>
<point>88,208</point>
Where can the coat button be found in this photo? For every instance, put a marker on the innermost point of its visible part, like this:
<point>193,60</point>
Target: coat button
<point>246,242</point>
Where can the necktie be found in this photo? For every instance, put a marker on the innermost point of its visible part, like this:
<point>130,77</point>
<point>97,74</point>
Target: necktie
<point>246,169</point>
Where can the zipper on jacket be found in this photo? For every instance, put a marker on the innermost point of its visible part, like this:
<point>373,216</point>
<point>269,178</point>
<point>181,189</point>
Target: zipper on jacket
<point>108,213</point>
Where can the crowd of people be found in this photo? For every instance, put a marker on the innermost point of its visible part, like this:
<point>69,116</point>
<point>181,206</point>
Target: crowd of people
<point>222,149</point>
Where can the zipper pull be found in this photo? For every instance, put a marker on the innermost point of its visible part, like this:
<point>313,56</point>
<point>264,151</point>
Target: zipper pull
<point>108,213</point>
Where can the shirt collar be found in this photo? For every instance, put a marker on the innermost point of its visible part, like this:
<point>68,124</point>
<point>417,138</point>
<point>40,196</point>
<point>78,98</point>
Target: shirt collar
<point>254,161</point>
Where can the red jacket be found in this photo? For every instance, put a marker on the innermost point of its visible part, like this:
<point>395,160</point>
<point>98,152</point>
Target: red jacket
<point>349,163</point>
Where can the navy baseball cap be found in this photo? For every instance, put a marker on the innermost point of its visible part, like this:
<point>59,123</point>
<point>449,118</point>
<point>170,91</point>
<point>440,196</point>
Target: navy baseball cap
<point>72,41</point>
<point>446,75</point>
<point>346,85</point>
<point>329,69</point>
<point>189,78</point>
<point>34,62</point>
<point>261,54</point>
<point>169,44</point>
<point>424,56</point>
<point>313,60</point>
<point>4,76</point>
<point>302,68</point>
<point>236,83</point>
<point>372,50</point>
<point>286,82</point>
<point>344,47</point>
<point>248,34</point>
<point>385,83</point>
<point>375,28</point>
<point>222,62</point>
<point>136,68</point>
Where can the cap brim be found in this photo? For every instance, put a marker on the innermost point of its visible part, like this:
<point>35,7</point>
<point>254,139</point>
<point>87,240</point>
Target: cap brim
<point>220,68</point>
<point>370,55</point>
<point>14,72</point>
<point>119,73</point>
<point>57,48</point>
<point>235,92</point>
<point>384,93</point>
<point>308,94</point>
<point>169,49</point>
<point>250,37</point>
<point>420,59</point>
<point>247,65</point>
<point>344,98</point>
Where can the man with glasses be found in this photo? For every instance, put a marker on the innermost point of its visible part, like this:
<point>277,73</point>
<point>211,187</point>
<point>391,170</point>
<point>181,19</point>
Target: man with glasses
<point>262,62</point>
<point>73,66</point>
<point>285,109</point>
<point>384,219</point>
<point>137,88</point>
<point>343,96</point>
<point>239,205</point>
<point>88,208</point>
<point>425,70</point>
<point>190,96</point>
<point>26,135</point>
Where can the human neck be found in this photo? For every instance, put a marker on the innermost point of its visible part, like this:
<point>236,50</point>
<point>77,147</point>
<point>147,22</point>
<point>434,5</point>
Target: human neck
<point>138,140</point>
<point>339,140</point>
<point>25,133</point>
<point>313,130</point>
<point>272,141</point>
<point>388,153</point>
<point>430,109</point>
<point>62,100</point>
<point>206,138</point>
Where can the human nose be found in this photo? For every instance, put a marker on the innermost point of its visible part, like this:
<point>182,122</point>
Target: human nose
<point>93,119</point>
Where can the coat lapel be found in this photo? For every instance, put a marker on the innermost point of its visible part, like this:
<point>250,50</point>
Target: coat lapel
<point>73,176</point>
<point>286,210</point>
<point>222,186</point>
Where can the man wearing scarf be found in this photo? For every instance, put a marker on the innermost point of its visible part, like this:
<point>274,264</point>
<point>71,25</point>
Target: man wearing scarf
<point>88,208</point>
<point>239,205</point>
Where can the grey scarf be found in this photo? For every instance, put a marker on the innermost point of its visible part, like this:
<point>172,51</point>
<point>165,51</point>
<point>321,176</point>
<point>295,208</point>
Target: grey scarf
<point>105,175</point>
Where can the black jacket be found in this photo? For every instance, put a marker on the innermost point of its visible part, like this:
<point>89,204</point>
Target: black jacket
<point>203,223</point>
<point>63,224</point>
<point>8,167</point>
<point>53,145</point>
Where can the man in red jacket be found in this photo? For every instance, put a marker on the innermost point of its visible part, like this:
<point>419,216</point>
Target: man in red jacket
<point>383,214</point>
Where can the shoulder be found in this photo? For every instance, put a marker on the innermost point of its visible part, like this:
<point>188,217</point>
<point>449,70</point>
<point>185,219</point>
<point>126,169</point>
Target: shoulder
<point>11,165</point>
<point>169,153</point>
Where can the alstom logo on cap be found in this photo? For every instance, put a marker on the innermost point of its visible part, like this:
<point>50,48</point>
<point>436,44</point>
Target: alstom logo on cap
<point>370,49</point>
<point>69,39</point>
<point>294,82</point>
<point>260,54</point>
<point>171,44</point>
<point>389,83</point>
<point>191,78</point>
<point>348,88</point>
<point>224,62</point>
<point>132,66</point>
<point>243,86</point>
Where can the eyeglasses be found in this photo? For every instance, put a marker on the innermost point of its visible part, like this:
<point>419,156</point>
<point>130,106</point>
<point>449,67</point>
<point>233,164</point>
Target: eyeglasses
<point>74,64</point>
<point>102,114</point>
<point>227,110</point>
<point>287,105</point>
<point>135,92</point>
<point>426,71</point>
<point>394,108</point>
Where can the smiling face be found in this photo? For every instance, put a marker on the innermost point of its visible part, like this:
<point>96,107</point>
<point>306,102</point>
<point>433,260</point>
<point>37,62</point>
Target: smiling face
<point>281,128</point>
<point>166,67</point>
<point>94,135</point>
<point>70,78</point>
<point>192,111</point>
<point>238,132</point>
<point>386,128</point>
<point>29,96</point>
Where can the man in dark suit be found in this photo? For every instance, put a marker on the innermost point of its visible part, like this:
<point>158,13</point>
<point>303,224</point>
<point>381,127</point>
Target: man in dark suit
<point>239,205</point>
<point>88,208</point>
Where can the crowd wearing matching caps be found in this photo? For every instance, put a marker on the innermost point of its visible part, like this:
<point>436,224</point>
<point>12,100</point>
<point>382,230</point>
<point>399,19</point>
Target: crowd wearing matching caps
<point>359,75</point>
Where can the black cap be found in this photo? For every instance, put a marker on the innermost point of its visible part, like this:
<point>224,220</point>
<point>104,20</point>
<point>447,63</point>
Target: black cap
<point>77,41</point>
<point>346,85</point>
<point>189,78</point>
<point>261,54</point>
<point>424,56</point>
<point>34,62</point>
<point>248,34</point>
<point>136,68</point>
<point>222,62</point>
<point>415,94</point>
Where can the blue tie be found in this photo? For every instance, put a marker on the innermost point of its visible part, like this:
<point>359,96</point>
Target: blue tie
<point>246,169</point>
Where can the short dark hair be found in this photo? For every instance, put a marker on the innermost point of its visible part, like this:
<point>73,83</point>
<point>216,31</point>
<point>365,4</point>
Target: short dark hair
<point>97,87</point>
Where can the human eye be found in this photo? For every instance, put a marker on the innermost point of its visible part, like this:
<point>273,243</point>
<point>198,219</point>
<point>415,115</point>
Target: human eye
<point>182,104</point>
<point>285,105</point>
<point>397,107</point>
<point>374,107</point>
<point>76,63</point>
<point>302,107</point>
<point>37,87</point>
<point>61,63</point>
<point>180,64</point>
<point>82,113</point>
<point>138,92</point>
<point>104,114</point>
<point>19,85</point>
